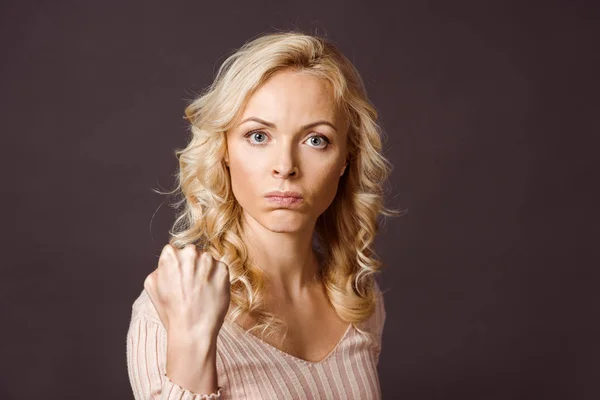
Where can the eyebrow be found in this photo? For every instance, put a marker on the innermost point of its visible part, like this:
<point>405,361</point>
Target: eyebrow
<point>305,127</point>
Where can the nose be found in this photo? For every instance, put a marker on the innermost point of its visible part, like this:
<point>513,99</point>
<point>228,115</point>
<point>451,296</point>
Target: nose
<point>285,163</point>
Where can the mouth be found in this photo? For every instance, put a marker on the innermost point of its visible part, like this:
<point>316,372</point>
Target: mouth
<point>287,199</point>
<point>284,200</point>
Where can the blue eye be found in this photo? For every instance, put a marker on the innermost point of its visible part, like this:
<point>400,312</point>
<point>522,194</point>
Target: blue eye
<point>259,136</point>
<point>318,143</point>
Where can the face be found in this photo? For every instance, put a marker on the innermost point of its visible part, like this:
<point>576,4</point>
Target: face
<point>289,138</point>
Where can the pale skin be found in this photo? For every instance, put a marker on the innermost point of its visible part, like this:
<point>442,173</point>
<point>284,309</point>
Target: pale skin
<point>296,141</point>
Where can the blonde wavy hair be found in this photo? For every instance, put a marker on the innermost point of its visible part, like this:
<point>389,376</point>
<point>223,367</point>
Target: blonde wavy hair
<point>209,215</point>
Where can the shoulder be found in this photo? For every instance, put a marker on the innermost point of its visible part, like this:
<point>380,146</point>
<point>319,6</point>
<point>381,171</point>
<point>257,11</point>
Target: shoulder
<point>144,308</point>
<point>379,313</point>
<point>374,323</point>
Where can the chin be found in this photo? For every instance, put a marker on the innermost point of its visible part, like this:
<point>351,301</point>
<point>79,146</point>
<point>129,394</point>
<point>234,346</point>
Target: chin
<point>279,222</point>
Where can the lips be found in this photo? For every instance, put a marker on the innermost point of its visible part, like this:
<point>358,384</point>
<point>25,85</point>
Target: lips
<point>279,193</point>
<point>284,198</point>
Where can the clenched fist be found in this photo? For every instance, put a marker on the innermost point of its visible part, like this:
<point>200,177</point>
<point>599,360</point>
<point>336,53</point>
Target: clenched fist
<point>190,291</point>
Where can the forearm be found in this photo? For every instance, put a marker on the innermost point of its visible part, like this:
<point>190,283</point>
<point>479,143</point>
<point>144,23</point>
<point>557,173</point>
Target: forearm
<point>192,362</point>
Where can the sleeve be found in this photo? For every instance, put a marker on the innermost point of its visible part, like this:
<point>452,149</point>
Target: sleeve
<point>378,318</point>
<point>146,364</point>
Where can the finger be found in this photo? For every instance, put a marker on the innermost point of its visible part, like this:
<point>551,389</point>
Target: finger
<point>204,266</point>
<point>223,267</point>
<point>167,252</point>
<point>167,256</point>
<point>189,254</point>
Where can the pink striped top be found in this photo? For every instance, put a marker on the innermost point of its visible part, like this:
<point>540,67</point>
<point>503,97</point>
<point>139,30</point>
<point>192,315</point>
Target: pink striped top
<point>249,368</point>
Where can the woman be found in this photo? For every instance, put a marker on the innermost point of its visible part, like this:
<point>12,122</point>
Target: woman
<point>282,186</point>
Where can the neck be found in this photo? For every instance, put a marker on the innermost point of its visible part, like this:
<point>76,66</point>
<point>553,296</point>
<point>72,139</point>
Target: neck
<point>287,259</point>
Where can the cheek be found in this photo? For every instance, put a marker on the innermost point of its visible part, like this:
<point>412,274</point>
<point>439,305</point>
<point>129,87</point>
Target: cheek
<point>244,176</point>
<point>326,190</point>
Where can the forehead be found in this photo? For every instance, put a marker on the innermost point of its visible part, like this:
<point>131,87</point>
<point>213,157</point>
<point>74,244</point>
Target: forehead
<point>295,97</point>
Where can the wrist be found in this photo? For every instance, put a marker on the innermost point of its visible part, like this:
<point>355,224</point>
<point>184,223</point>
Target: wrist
<point>196,342</point>
<point>199,330</point>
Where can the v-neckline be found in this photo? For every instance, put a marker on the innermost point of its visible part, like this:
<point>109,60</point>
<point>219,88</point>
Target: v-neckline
<point>244,332</point>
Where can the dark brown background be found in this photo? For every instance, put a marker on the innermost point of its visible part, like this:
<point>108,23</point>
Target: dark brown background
<point>491,113</point>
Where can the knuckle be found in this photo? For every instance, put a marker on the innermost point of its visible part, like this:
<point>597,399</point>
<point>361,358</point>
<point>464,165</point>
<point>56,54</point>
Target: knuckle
<point>206,257</point>
<point>222,273</point>
<point>222,267</point>
<point>167,252</point>
<point>149,281</point>
<point>189,250</point>
<point>166,249</point>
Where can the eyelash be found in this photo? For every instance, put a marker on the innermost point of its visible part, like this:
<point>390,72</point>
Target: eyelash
<point>247,135</point>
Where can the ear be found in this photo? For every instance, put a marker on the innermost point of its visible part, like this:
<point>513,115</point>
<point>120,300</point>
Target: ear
<point>226,159</point>
<point>344,169</point>
<point>226,148</point>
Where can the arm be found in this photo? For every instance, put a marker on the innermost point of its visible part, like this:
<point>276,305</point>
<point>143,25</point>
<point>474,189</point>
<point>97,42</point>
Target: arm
<point>147,354</point>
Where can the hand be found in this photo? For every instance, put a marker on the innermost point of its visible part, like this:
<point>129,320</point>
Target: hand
<point>190,291</point>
